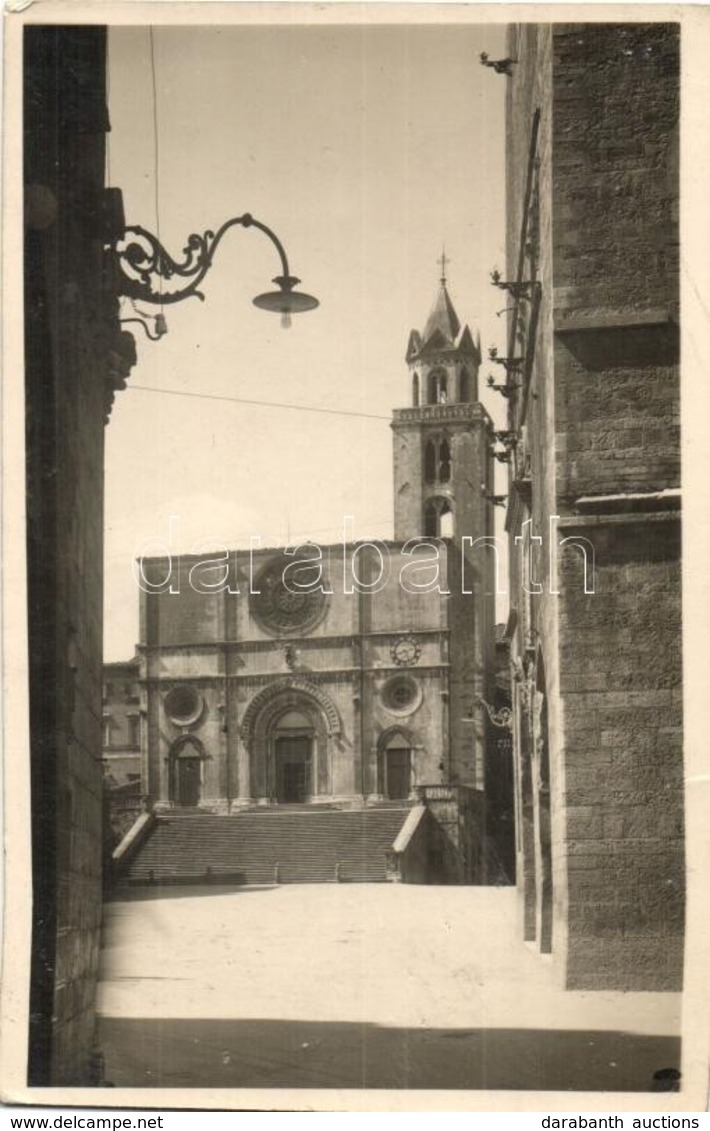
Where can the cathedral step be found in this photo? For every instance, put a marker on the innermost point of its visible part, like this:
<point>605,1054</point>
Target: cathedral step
<point>270,846</point>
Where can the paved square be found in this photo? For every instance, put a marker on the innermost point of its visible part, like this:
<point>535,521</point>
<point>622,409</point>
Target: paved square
<point>358,985</point>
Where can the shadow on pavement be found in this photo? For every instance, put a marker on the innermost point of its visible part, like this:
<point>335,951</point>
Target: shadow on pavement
<point>141,892</point>
<point>310,1054</point>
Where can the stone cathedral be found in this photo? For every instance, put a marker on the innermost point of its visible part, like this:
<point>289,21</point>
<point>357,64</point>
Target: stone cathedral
<point>344,676</point>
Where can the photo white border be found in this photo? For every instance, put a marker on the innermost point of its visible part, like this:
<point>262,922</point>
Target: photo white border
<point>695,385</point>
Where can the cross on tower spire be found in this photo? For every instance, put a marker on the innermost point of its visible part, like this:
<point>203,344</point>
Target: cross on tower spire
<point>443,260</point>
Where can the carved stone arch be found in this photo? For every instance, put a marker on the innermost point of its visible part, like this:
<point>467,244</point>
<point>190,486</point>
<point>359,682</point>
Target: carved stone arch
<point>190,741</point>
<point>275,691</point>
<point>396,731</point>
<point>262,737</point>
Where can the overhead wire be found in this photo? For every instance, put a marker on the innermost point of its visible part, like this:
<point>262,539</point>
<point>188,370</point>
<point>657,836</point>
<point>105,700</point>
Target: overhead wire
<point>262,404</point>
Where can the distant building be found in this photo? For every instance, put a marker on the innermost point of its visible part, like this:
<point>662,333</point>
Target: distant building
<point>121,751</point>
<point>121,747</point>
<point>592,388</point>
<point>363,690</point>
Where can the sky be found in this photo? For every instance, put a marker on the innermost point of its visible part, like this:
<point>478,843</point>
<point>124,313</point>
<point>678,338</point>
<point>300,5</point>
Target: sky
<point>367,149</point>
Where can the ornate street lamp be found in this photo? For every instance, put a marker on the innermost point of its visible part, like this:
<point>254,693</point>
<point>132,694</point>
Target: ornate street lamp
<point>144,266</point>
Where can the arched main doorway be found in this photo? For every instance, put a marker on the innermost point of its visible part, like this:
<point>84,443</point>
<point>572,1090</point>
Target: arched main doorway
<point>290,724</point>
<point>293,736</point>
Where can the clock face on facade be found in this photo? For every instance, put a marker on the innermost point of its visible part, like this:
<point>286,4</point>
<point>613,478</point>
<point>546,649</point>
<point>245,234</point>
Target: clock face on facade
<point>283,602</point>
<point>405,651</point>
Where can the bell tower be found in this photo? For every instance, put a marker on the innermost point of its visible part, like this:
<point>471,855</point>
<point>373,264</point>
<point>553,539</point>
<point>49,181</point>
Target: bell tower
<point>442,443</point>
<point>443,487</point>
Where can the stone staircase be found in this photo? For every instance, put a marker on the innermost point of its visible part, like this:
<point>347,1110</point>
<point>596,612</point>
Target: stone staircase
<point>304,844</point>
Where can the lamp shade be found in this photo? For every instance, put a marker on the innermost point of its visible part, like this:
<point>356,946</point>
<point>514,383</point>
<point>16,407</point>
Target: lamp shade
<point>285,300</point>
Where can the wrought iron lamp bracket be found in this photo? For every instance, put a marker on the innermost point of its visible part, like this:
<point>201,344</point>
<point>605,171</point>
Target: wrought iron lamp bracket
<point>508,437</point>
<point>500,66</point>
<point>154,337</point>
<point>510,364</point>
<point>523,289</point>
<point>502,718</point>
<point>142,260</point>
<point>505,390</point>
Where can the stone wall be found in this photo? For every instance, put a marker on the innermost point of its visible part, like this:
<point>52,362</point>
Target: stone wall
<point>615,235</point>
<point>617,411</point>
<point>624,756</point>
<point>599,784</point>
<point>616,247</point>
<point>75,358</point>
<point>615,191</point>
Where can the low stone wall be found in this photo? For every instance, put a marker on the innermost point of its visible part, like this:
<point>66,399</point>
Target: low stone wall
<point>457,852</point>
<point>408,859</point>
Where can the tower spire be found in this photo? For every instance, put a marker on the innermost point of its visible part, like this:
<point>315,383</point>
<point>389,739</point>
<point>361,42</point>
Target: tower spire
<point>443,260</point>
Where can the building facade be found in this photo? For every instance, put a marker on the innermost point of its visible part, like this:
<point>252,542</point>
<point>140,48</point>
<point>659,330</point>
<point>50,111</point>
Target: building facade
<point>121,746</point>
<point>347,674</point>
<point>592,386</point>
<point>121,754</point>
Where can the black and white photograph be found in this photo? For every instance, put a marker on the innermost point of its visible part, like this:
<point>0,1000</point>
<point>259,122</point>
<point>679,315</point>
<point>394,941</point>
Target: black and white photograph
<point>346,613</point>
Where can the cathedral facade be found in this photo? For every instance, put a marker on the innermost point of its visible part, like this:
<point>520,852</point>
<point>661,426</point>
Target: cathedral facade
<point>343,675</point>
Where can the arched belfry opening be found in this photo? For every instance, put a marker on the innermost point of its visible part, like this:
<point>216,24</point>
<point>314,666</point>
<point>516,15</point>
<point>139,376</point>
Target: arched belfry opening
<point>430,462</point>
<point>438,518</point>
<point>437,460</point>
<point>446,522</point>
<point>437,387</point>
<point>444,461</point>
<point>464,386</point>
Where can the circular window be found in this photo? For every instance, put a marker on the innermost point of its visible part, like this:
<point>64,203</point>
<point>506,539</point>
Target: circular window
<point>401,695</point>
<point>289,595</point>
<point>183,705</point>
